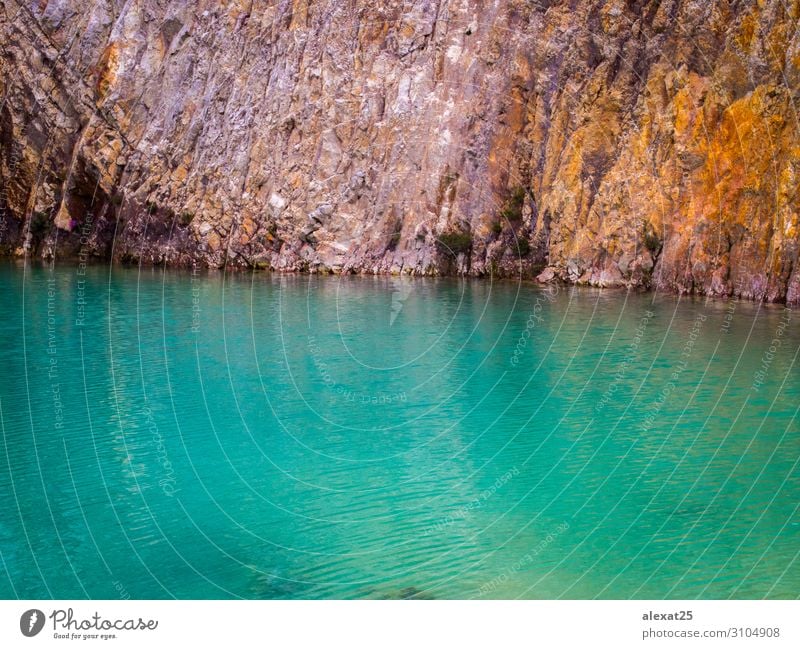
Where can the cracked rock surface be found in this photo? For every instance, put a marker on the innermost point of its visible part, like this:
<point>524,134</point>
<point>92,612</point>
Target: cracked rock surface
<point>603,142</point>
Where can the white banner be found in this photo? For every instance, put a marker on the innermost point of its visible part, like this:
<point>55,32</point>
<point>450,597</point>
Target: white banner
<point>400,624</point>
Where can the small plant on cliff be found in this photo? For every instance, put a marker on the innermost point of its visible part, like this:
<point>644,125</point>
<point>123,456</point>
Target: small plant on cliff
<point>523,247</point>
<point>186,217</point>
<point>455,243</point>
<point>650,239</point>
<point>39,223</point>
<point>496,227</point>
<point>512,209</point>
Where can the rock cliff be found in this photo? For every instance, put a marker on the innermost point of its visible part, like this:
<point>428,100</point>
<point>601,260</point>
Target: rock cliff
<point>610,142</point>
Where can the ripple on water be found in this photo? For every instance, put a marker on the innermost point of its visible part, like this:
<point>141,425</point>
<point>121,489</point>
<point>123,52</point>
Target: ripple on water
<point>239,460</point>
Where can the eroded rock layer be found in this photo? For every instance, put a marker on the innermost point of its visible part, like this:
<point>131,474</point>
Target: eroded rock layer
<point>608,142</point>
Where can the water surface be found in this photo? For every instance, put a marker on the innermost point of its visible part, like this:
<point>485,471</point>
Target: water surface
<point>169,434</point>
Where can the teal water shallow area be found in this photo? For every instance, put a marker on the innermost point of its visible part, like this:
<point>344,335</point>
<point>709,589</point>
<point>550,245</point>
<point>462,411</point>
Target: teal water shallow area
<point>169,434</point>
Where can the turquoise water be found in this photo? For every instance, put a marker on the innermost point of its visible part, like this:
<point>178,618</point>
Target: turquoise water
<point>220,436</point>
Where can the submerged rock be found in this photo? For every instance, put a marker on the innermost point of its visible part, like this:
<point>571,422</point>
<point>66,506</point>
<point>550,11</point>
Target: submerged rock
<point>409,592</point>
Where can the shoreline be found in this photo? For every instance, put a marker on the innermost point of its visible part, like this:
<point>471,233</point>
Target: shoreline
<point>237,270</point>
